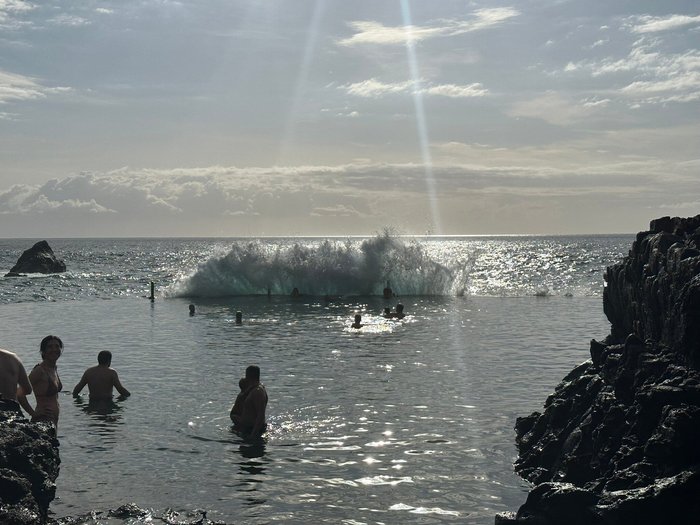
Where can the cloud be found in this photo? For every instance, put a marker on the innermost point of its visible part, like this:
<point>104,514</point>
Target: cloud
<point>18,87</point>
<point>342,199</point>
<point>373,88</point>
<point>455,91</point>
<point>69,20</point>
<point>658,77</point>
<point>369,32</point>
<point>10,10</point>
<point>557,108</point>
<point>14,88</point>
<point>653,24</point>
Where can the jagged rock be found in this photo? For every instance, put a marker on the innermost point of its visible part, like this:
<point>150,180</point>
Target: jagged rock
<point>617,440</point>
<point>655,292</point>
<point>37,259</point>
<point>29,465</point>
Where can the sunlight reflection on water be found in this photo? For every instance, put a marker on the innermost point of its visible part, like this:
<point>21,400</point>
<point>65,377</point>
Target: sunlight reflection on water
<point>415,423</point>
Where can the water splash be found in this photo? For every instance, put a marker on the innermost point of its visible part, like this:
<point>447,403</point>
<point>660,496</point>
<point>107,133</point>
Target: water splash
<point>320,268</point>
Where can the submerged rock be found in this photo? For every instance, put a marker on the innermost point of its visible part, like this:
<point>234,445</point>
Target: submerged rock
<point>29,465</point>
<point>617,441</point>
<point>37,259</point>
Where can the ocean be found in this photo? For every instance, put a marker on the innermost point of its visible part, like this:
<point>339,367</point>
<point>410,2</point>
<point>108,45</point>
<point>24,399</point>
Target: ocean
<point>401,421</point>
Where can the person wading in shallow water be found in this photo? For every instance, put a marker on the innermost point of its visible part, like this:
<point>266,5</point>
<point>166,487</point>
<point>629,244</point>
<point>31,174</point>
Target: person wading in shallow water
<point>101,379</point>
<point>13,381</point>
<point>251,422</point>
<point>46,383</point>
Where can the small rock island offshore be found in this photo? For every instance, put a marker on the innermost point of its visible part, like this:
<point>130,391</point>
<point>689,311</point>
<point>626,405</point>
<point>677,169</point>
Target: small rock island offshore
<point>618,442</point>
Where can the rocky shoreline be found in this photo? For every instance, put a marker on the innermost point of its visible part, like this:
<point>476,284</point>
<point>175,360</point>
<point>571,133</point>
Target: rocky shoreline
<point>29,465</point>
<point>617,441</point>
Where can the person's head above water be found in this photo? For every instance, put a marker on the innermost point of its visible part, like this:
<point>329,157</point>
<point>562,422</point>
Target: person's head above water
<point>104,358</point>
<point>358,318</point>
<point>45,344</point>
<point>253,373</point>
<point>399,308</point>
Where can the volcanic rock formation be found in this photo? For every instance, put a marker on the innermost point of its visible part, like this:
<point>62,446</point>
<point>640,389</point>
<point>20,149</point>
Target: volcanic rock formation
<point>37,259</point>
<point>618,441</point>
<point>29,465</point>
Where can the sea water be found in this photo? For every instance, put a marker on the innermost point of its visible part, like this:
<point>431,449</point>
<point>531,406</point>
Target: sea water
<point>401,421</point>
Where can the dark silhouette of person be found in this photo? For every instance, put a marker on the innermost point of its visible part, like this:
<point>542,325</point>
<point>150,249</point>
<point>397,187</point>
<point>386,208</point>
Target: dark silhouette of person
<point>13,381</point>
<point>387,293</point>
<point>358,322</point>
<point>252,419</point>
<point>101,379</point>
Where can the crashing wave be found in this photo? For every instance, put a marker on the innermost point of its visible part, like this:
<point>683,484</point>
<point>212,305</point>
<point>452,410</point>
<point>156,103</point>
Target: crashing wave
<point>320,268</point>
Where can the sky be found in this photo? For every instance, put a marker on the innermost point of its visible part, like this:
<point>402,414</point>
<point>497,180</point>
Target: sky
<point>346,117</point>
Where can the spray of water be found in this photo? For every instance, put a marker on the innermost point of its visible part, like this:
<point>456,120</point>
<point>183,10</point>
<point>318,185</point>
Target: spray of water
<point>320,268</point>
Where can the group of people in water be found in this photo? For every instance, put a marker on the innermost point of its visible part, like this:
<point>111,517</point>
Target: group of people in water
<point>247,414</point>
<point>45,383</point>
<point>388,314</point>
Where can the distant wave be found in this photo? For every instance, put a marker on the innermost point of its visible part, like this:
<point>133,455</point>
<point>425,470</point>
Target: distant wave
<point>321,268</point>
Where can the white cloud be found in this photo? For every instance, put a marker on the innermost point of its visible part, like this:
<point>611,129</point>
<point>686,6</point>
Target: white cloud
<point>659,77</point>
<point>15,88</point>
<point>653,24</point>
<point>556,108</point>
<point>455,91</point>
<point>10,10</point>
<point>18,87</point>
<point>69,20</point>
<point>349,198</point>
<point>594,102</point>
<point>369,32</point>
<point>373,88</point>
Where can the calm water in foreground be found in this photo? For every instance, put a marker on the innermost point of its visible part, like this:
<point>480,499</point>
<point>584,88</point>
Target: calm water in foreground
<point>400,422</point>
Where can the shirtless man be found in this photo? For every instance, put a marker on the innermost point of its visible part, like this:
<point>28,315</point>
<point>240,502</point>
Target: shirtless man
<point>13,381</point>
<point>252,420</point>
<point>101,378</point>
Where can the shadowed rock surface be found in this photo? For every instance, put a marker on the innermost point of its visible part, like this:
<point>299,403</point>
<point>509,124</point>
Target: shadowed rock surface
<point>618,441</point>
<point>29,465</point>
<point>37,259</point>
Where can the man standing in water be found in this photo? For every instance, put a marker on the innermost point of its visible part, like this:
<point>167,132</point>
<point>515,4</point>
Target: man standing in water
<point>252,420</point>
<point>12,375</point>
<point>101,378</point>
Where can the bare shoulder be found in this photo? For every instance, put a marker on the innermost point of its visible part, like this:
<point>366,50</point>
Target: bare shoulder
<point>7,356</point>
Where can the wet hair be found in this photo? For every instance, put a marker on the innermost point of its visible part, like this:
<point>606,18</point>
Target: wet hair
<point>104,357</point>
<point>253,372</point>
<point>358,318</point>
<point>45,343</point>
<point>399,308</point>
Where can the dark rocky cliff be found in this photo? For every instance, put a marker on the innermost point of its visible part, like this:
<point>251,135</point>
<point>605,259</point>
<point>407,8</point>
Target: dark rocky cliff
<point>618,442</point>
